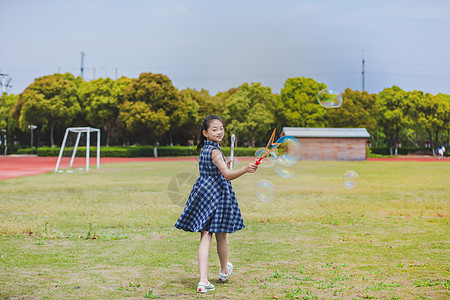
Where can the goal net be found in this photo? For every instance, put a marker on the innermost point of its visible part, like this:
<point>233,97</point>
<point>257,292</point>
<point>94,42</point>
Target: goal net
<point>75,138</point>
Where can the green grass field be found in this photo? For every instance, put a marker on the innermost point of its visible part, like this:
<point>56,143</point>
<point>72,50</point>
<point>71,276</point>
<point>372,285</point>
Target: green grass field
<point>109,234</point>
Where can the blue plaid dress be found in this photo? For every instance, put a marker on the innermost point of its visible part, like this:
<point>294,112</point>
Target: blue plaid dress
<point>212,205</point>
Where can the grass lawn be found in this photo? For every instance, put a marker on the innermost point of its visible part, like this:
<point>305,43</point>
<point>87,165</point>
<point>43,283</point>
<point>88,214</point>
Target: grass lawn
<point>109,234</point>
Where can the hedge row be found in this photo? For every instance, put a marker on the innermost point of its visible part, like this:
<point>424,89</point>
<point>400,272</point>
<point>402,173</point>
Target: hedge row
<point>24,151</point>
<point>402,151</point>
<point>140,151</point>
<point>165,151</point>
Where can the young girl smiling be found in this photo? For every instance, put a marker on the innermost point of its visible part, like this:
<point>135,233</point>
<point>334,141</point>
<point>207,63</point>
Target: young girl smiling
<point>212,205</point>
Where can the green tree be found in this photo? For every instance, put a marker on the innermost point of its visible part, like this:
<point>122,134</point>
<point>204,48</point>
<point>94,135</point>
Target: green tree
<point>378,138</point>
<point>250,112</point>
<point>7,126</point>
<point>151,107</point>
<point>220,99</point>
<point>101,99</point>
<point>395,114</point>
<point>359,109</point>
<point>446,98</point>
<point>48,102</point>
<point>298,103</point>
<point>199,104</point>
<point>433,114</point>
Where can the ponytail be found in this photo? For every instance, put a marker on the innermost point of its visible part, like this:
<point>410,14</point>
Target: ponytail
<point>205,126</point>
<point>202,141</point>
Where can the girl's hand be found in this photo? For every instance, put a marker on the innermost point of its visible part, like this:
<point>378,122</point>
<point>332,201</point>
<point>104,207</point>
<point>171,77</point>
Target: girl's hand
<point>251,168</point>
<point>228,162</point>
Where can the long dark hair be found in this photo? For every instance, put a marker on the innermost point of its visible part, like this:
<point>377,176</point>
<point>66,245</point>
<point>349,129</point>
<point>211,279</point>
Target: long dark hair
<point>205,126</point>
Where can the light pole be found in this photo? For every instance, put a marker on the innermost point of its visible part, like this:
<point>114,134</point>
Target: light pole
<point>32,127</point>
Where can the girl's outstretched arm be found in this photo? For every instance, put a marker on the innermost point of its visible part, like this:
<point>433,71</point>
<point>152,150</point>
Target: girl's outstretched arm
<point>216,156</point>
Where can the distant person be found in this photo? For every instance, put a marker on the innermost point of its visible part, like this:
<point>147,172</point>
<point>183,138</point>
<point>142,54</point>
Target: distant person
<point>212,206</point>
<point>441,151</point>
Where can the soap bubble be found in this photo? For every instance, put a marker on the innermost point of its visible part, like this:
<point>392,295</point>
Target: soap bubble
<point>330,98</point>
<point>286,160</point>
<point>267,161</point>
<point>350,179</point>
<point>288,150</point>
<point>286,172</point>
<point>265,190</point>
<point>179,187</point>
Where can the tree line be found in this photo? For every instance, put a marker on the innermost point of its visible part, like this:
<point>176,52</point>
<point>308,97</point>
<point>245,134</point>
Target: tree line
<point>151,110</point>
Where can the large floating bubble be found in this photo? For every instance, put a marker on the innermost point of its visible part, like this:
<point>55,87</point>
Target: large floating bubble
<point>288,150</point>
<point>179,187</point>
<point>286,160</point>
<point>350,179</point>
<point>286,172</point>
<point>267,161</point>
<point>265,190</point>
<point>330,98</point>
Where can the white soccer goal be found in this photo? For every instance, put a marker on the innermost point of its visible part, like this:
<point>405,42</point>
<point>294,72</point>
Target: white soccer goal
<point>80,131</point>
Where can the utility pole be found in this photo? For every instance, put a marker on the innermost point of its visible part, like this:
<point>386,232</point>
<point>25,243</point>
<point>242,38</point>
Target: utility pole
<point>363,72</point>
<point>82,64</point>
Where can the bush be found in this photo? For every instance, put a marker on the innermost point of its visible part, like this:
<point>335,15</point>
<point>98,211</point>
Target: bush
<point>402,151</point>
<point>167,151</point>
<point>139,151</point>
<point>104,151</point>
<point>24,151</point>
<point>239,151</point>
<point>17,149</point>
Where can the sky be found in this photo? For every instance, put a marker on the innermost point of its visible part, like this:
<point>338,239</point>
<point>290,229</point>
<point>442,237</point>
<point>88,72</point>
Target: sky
<point>218,45</point>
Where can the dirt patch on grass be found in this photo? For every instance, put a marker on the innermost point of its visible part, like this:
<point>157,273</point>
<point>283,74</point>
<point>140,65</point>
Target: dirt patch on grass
<point>115,273</point>
<point>19,297</point>
<point>13,228</point>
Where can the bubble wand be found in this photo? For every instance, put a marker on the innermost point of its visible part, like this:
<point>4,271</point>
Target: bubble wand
<point>266,150</point>
<point>233,138</point>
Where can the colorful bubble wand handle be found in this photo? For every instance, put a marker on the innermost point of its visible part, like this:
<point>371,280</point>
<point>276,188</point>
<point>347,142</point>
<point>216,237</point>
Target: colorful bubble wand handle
<point>266,150</point>
<point>258,161</point>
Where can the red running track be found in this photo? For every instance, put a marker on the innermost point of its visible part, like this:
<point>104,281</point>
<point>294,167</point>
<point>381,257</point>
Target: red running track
<point>20,166</point>
<point>406,158</point>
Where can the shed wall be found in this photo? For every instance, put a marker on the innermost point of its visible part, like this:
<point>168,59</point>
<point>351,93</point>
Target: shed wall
<point>333,148</point>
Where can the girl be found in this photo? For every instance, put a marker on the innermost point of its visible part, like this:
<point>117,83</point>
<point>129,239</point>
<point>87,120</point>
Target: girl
<point>212,206</point>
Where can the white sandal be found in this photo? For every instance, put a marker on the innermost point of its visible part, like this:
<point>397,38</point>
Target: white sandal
<point>204,288</point>
<point>224,277</point>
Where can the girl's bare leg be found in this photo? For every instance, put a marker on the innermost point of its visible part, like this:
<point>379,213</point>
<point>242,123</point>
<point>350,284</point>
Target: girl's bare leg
<point>222,251</point>
<point>203,253</point>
